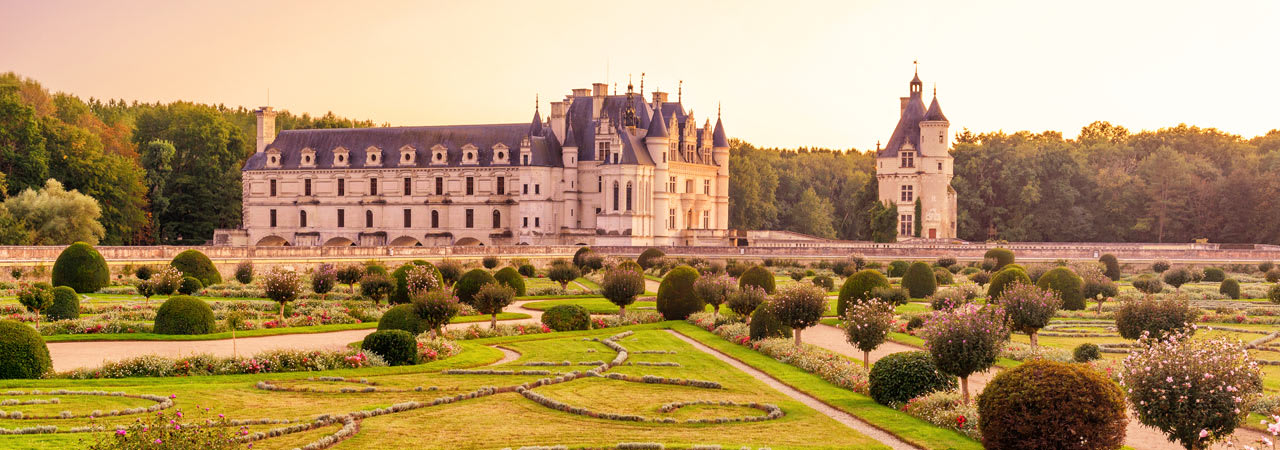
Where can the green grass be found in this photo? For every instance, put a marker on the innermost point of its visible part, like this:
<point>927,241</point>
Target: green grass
<point>251,333</point>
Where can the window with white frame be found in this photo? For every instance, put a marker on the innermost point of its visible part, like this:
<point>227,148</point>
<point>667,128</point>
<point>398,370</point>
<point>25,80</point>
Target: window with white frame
<point>908,193</point>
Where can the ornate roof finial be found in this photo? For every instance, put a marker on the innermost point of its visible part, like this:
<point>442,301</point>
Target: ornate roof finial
<point>536,101</point>
<point>642,84</point>
<point>935,89</point>
<point>877,146</point>
<point>916,62</point>
<point>717,110</point>
<point>630,87</point>
<point>680,92</point>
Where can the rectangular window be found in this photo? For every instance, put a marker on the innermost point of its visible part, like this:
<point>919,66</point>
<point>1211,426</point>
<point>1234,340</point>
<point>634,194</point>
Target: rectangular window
<point>537,222</point>
<point>688,185</point>
<point>706,186</point>
<point>273,188</point>
<point>671,219</point>
<point>342,187</point>
<point>439,185</point>
<point>502,185</point>
<point>373,186</point>
<point>671,185</point>
<point>342,217</point>
<point>408,218</point>
<point>939,166</point>
<point>706,219</point>
<point>908,193</point>
<point>471,218</point>
<point>905,225</point>
<point>435,219</point>
<point>306,187</point>
<point>526,222</point>
<point>599,184</point>
<point>526,188</point>
<point>908,159</point>
<point>302,219</point>
<point>408,186</point>
<point>471,185</point>
<point>537,189</point>
<point>273,218</point>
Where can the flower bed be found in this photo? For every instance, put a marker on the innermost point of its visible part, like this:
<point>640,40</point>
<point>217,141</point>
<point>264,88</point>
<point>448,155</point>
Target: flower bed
<point>475,331</point>
<point>830,366</point>
<point>945,409</point>
<point>274,361</point>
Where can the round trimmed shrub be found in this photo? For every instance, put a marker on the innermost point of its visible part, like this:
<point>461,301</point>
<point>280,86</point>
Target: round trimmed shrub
<point>512,279</point>
<point>1273,276</point>
<point>943,276</point>
<point>676,299</point>
<point>567,318</point>
<point>1160,265</point>
<point>400,275</point>
<point>898,268</point>
<point>470,283</point>
<point>402,317</point>
<point>82,268</point>
<point>764,325</point>
<point>143,273</point>
<point>1230,288</point>
<point>489,262</point>
<point>1177,277</point>
<point>1148,284</point>
<point>66,304</point>
<point>1046,404</point>
<point>919,280</point>
<point>1112,266</point>
<point>244,272</point>
<point>577,256</point>
<point>192,263</point>
<point>824,282</point>
<point>902,376</point>
<point>189,286</point>
<point>1001,256</point>
<point>1214,275</point>
<point>527,270</point>
<point>1273,294</point>
<point>184,314</point>
<point>650,257</point>
<point>397,347</point>
<point>23,353</point>
<point>1068,286</point>
<point>758,276</point>
<point>1005,277</point>
<point>857,288</point>
<point>375,267</point>
<point>1086,352</point>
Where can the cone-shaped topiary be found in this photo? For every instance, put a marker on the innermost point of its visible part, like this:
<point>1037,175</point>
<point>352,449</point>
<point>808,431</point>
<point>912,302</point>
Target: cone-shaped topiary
<point>397,347</point>
<point>676,299</point>
<point>857,288</point>
<point>758,276</point>
<point>192,263</point>
<point>650,257</point>
<point>1002,257</point>
<point>470,283</point>
<point>402,317</point>
<point>401,294</point>
<point>22,352</point>
<point>82,268</point>
<point>1082,405</point>
<point>66,304</point>
<point>1112,266</point>
<point>512,279</point>
<point>184,315</point>
<point>1230,287</point>
<point>920,281</point>
<point>764,325</point>
<point>902,376</point>
<point>567,318</point>
<point>1004,278</point>
<point>1068,285</point>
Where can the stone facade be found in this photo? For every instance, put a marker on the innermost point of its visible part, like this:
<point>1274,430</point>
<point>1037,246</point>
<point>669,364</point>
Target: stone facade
<point>917,166</point>
<point>602,170</point>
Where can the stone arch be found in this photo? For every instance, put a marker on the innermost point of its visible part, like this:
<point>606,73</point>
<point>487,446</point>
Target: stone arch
<point>339,242</point>
<point>406,241</point>
<point>273,241</point>
<point>469,242</point>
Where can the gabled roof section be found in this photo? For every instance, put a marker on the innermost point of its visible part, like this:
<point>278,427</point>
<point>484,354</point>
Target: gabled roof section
<point>388,141</point>
<point>935,111</point>
<point>908,129</point>
<point>718,138</point>
<point>633,149</point>
<point>657,126</point>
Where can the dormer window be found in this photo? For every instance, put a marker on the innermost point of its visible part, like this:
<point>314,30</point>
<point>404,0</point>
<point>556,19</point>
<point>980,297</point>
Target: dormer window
<point>908,159</point>
<point>373,156</point>
<point>439,155</point>
<point>341,157</point>
<point>408,156</point>
<point>500,153</point>
<point>273,158</point>
<point>470,154</point>
<point>308,157</point>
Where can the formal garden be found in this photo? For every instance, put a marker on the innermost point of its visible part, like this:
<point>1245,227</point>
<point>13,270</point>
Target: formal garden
<point>607,351</point>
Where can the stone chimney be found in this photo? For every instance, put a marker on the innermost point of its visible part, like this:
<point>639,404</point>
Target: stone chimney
<point>659,97</point>
<point>599,89</point>
<point>580,92</point>
<point>905,101</point>
<point>266,127</point>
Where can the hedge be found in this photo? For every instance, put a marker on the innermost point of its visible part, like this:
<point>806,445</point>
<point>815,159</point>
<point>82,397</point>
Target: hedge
<point>470,283</point>
<point>82,268</point>
<point>192,263</point>
<point>510,277</point>
<point>66,304</point>
<point>396,347</point>
<point>23,353</point>
<point>567,318</point>
<point>1068,285</point>
<point>857,288</point>
<point>758,276</point>
<point>919,280</point>
<point>676,300</point>
<point>902,376</point>
<point>184,315</point>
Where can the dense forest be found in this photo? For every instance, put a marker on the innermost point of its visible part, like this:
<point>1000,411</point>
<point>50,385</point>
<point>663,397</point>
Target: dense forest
<point>147,173</point>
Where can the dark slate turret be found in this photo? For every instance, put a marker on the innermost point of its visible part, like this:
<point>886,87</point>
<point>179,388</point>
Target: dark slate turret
<point>718,138</point>
<point>657,125</point>
<point>570,138</point>
<point>935,111</point>
<point>535,128</point>
<point>908,129</point>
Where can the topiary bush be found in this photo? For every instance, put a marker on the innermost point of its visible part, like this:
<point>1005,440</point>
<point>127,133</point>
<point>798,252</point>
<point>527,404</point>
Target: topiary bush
<point>621,285</point>
<point>1273,276</point>
<point>184,315</point>
<point>401,277</point>
<point>758,276</point>
<point>82,268</point>
<point>567,318</point>
<point>1068,286</point>
<point>824,282</point>
<point>857,288</point>
<point>470,283</point>
<point>143,273</point>
<point>192,263</point>
<point>764,325</point>
<point>377,286</point>
<point>489,262</point>
<point>511,278</point>
<point>1148,284</point>
<point>919,280</point>
<point>189,286</point>
<point>1047,404</point>
<point>450,271</point>
<point>891,295</point>
<point>402,317</point>
<point>1230,288</point>
<point>1266,266</point>
<point>799,306</point>
<point>1273,294</point>
<point>577,256</point>
<point>1005,277</point>
<point>1112,266</point>
<point>1153,316</point>
<point>649,258</point>
<point>898,269</point>
<point>436,308</point>
<point>23,353</point>
<point>563,272</point>
<point>1086,352</point>
<point>676,297</point>
<point>899,377</point>
<point>66,304</point>
<point>396,347</point>
<point>1001,256</point>
<point>1177,277</point>
<point>244,272</point>
<point>1214,275</point>
<point>491,299</point>
<point>980,277</point>
<point>945,262</point>
<point>743,302</point>
<point>527,270</point>
<point>965,340</point>
<point>1160,265</point>
<point>943,276</point>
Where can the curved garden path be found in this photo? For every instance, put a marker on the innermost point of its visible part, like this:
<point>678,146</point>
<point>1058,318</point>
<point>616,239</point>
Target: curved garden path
<point>75,355</point>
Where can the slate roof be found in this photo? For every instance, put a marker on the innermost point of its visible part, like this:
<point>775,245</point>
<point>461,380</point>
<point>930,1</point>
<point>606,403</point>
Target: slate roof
<point>718,138</point>
<point>935,111</point>
<point>657,126</point>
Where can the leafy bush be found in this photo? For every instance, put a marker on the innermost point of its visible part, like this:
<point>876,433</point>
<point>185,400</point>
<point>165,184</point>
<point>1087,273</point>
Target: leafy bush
<point>898,268</point>
<point>965,340</point>
<point>35,297</point>
<point>891,295</point>
<point>323,279</point>
<point>349,275</point>
<point>403,317</point>
<point>65,305</point>
<point>824,282</point>
<point>192,263</point>
<point>980,278</point>
<point>396,347</point>
<point>165,281</point>
<point>1001,256</point>
<point>943,276</point>
<point>1266,266</point>
<point>1216,375</point>
<point>82,268</point>
<point>1273,294</point>
<point>919,280</point>
<point>577,255</point>
<point>528,271</point>
<point>23,353</point>
<point>158,431</point>
<point>403,286</point>
<point>184,315</point>
<point>621,286</point>
<point>1006,277</point>
<point>1112,266</point>
<point>649,257</point>
<point>1082,404</point>
<point>676,298</point>
<point>489,262</point>
<point>563,272</point>
<point>764,325</point>
<point>857,288</point>
<point>567,318</point>
<point>1154,316</point>
<point>950,298</point>
<point>744,301</point>
<point>1177,277</point>
<point>1230,288</point>
<point>450,271</point>
<point>1099,287</point>
<point>436,308</point>
<point>244,272</point>
<point>758,276</point>
<point>377,286</point>
<point>899,377</point>
<point>1273,275</point>
<point>143,273</point>
<point>1068,286</point>
<point>1214,275</point>
<point>470,283</point>
<point>1148,284</point>
<point>945,262</point>
<point>1086,352</point>
<point>282,286</point>
<point>1028,308</point>
<point>511,278</point>
<point>714,290</point>
<point>1160,265</point>
<point>189,286</point>
<point>866,325</point>
<point>798,306</point>
<point>491,299</point>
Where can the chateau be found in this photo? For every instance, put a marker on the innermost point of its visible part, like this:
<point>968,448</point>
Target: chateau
<point>916,168</point>
<point>603,169</point>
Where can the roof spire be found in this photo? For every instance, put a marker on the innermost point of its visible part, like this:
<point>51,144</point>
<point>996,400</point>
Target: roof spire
<point>717,111</point>
<point>537,101</point>
<point>657,125</point>
<point>916,63</point>
<point>680,92</point>
<point>935,90</point>
<point>641,84</point>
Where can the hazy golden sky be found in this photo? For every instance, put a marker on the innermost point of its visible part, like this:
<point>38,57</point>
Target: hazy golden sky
<point>789,73</point>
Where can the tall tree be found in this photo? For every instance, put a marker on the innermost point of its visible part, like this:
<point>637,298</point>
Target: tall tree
<point>22,153</point>
<point>157,161</point>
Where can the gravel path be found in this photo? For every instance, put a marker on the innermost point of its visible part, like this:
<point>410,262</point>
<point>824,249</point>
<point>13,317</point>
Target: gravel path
<point>508,355</point>
<point>840,416</point>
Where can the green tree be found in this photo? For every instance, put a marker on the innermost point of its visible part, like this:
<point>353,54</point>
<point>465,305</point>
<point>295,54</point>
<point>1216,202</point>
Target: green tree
<point>812,215</point>
<point>157,160</point>
<point>22,153</point>
<point>884,222</point>
<point>58,216</point>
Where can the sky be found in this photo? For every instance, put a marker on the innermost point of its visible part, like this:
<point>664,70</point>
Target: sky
<point>786,74</point>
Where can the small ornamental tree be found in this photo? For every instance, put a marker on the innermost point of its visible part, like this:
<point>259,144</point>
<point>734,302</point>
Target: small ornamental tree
<point>436,308</point>
<point>1112,266</point>
<point>1148,284</point>
<point>798,306</point>
<point>592,262</point>
<point>714,290</point>
<point>35,297</point>
<point>282,286</point>
<point>420,278</point>
<point>470,283</point>
<point>1001,256</point>
<point>244,272</point>
<point>166,281</point>
<point>350,275</point>
<point>1177,277</point>
<point>401,278</point>
<point>857,288</point>
<point>1029,308</point>
<point>1193,390</point>
<point>965,340</point>
<point>377,286</point>
<point>744,301</point>
<point>577,255</point>
<point>1160,265</point>
<point>621,286</point>
<point>323,279</point>
<point>1048,404</point>
<point>491,299</point>
<point>146,289</point>
<point>980,278</point>
<point>1154,317</point>
<point>919,280</point>
<point>866,325</point>
<point>143,273</point>
<point>450,271</point>
<point>758,276</point>
<point>563,273</point>
<point>489,262</point>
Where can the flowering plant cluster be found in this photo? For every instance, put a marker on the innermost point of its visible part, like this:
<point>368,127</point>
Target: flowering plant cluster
<point>419,279</point>
<point>273,361</point>
<point>475,332</point>
<point>965,340</point>
<point>631,318</point>
<point>435,348</point>
<point>834,368</point>
<point>172,432</point>
<point>946,409</point>
<point>714,289</point>
<point>1028,308</point>
<point>866,325</point>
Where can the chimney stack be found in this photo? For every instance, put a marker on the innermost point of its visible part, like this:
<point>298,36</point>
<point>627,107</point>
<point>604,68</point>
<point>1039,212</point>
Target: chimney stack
<point>659,97</point>
<point>266,127</point>
<point>599,89</point>
<point>905,101</point>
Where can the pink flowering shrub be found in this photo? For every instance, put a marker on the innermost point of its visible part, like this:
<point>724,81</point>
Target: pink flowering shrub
<point>714,289</point>
<point>434,348</point>
<point>866,325</point>
<point>965,340</point>
<point>475,332</point>
<point>1028,308</point>
<point>945,409</point>
<point>282,286</point>
<point>1194,390</point>
<point>163,431</point>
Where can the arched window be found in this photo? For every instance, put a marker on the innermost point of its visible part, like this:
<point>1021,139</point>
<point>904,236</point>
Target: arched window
<point>628,196</point>
<point>302,219</point>
<point>368,219</point>
<point>615,195</point>
<point>497,219</point>
<point>435,219</point>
